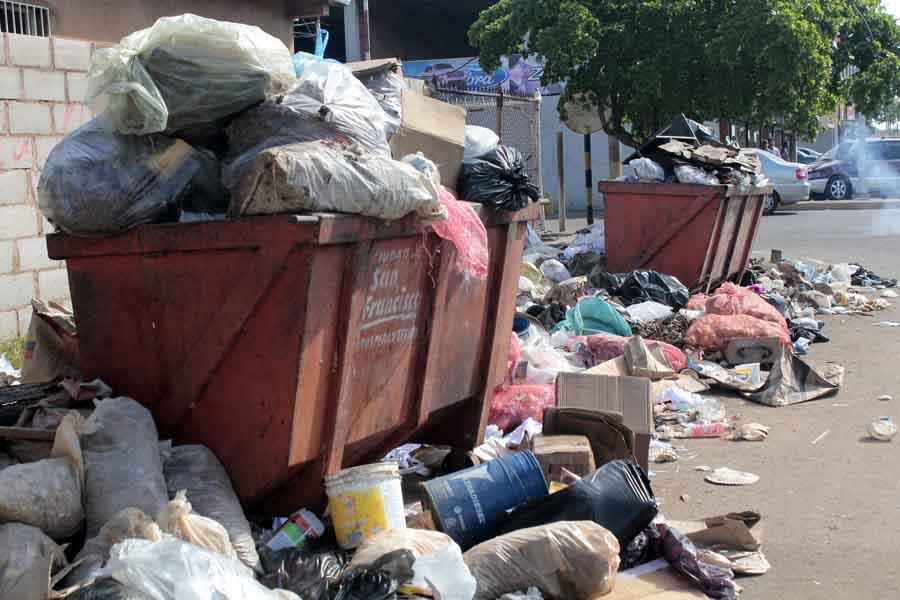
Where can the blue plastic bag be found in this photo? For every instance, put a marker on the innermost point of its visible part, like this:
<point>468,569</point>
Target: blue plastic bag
<point>594,315</point>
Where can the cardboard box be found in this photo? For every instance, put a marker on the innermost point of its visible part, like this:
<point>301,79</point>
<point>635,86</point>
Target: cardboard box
<point>558,452</point>
<point>631,396</point>
<point>434,128</point>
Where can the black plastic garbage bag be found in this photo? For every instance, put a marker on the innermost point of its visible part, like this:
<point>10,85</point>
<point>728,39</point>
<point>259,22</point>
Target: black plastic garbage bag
<point>108,589</point>
<point>380,581</point>
<point>611,282</point>
<point>498,180</point>
<point>309,575</point>
<point>681,554</point>
<point>583,263</point>
<point>617,496</point>
<point>641,286</point>
<point>100,182</point>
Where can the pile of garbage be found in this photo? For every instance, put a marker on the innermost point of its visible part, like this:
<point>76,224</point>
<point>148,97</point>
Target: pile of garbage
<point>687,152</point>
<point>203,120</point>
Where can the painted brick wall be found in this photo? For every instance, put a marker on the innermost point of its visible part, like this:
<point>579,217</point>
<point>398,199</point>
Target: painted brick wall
<point>43,83</point>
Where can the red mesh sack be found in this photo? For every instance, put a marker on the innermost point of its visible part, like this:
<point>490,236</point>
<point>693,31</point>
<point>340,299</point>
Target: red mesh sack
<point>463,228</point>
<point>697,302</point>
<point>731,299</point>
<point>715,331</point>
<point>512,404</point>
<point>605,346</point>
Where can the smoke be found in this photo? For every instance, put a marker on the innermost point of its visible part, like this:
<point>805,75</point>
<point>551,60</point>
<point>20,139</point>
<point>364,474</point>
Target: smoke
<point>878,164</point>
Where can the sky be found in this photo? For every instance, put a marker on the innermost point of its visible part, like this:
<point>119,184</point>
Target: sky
<point>893,7</point>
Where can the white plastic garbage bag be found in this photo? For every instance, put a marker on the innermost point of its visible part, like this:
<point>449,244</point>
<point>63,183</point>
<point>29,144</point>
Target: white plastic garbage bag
<point>647,170</point>
<point>172,569</point>
<point>438,571</point>
<point>555,271</point>
<point>186,71</point>
<point>328,103</point>
<point>479,140</point>
<point>695,175</point>
<point>318,176</point>
<point>178,519</point>
<point>649,311</point>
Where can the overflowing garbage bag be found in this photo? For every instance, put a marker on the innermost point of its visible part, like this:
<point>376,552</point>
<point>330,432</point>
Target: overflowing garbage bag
<point>172,569</point>
<point>479,141</point>
<point>641,286</point>
<point>122,463</point>
<point>386,83</point>
<point>310,575</point>
<point>99,182</point>
<point>566,561</point>
<point>327,103</point>
<point>186,75</point>
<point>47,493</point>
<point>498,180</point>
<point>329,177</point>
<point>196,470</point>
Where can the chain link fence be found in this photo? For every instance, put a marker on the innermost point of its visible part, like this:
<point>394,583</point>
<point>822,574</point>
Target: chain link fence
<point>515,119</point>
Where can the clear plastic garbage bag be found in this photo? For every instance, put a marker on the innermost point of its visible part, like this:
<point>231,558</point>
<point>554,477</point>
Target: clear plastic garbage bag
<point>186,71</point>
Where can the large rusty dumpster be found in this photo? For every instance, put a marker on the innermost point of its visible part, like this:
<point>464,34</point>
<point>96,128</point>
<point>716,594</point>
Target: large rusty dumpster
<point>702,234</point>
<point>295,345</point>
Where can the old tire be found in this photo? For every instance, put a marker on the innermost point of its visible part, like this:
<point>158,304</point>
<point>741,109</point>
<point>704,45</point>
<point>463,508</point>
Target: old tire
<point>771,203</point>
<point>838,188</point>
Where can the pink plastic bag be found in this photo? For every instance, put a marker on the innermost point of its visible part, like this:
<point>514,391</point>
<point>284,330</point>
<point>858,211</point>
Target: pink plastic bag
<point>731,299</point>
<point>512,404</point>
<point>715,331</point>
<point>605,346</point>
<point>463,228</point>
<point>697,302</point>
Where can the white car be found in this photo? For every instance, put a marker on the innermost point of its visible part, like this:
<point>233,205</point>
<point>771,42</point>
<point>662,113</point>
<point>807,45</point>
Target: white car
<point>789,180</point>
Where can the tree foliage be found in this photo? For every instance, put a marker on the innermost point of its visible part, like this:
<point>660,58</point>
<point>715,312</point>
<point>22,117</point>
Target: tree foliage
<point>641,62</point>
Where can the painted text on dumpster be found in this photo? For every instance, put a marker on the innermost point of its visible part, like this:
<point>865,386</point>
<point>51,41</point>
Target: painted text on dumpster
<point>392,308</point>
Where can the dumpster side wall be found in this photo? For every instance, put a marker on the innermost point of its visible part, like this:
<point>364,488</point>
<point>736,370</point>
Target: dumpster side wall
<point>43,83</point>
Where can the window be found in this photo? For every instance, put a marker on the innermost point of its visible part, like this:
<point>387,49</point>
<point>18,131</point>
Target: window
<point>875,151</point>
<point>24,19</point>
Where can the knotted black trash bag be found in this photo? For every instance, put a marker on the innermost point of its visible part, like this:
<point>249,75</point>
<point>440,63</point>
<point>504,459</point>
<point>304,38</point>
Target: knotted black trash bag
<point>498,180</point>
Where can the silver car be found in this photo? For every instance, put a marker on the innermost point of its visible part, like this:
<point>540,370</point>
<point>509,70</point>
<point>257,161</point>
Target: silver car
<point>789,180</point>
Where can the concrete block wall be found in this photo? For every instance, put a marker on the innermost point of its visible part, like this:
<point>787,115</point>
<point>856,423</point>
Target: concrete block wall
<point>43,83</point>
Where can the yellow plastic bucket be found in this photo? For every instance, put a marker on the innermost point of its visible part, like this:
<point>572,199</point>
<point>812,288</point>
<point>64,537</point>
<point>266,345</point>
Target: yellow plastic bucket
<point>365,501</point>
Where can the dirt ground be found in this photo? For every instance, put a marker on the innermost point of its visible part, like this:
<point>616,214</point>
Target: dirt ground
<point>831,511</point>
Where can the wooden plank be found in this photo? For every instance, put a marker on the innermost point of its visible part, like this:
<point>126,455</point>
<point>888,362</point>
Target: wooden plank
<point>27,433</point>
<point>431,376</point>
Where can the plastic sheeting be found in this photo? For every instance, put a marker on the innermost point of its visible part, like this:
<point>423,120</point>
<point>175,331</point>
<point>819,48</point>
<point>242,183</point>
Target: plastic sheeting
<point>465,230</point>
<point>319,176</point>
<point>99,182</point>
<point>186,72</point>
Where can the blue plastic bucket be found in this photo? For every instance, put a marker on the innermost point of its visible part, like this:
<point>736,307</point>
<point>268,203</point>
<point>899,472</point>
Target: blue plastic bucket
<point>470,504</point>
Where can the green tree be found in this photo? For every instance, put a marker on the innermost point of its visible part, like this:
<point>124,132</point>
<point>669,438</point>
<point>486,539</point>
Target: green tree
<point>644,61</point>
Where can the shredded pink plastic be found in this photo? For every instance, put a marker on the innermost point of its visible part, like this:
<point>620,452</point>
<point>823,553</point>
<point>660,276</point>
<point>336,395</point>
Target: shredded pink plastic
<point>464,229</point>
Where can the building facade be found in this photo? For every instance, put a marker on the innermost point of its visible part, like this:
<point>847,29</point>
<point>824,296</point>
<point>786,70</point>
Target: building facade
<point>45,54</point>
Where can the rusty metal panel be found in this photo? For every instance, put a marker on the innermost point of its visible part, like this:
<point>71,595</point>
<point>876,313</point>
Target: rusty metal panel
<point>292,346</point>
<point>701,234</point>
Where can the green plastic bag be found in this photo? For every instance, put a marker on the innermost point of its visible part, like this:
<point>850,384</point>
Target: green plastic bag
<point>594,315</point>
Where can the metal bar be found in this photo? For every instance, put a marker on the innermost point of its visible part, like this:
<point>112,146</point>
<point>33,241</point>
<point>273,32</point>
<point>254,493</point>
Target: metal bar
<point>365,33</point>
<point>588,178</point>
<point>500,116</point>
<point>561,179</point>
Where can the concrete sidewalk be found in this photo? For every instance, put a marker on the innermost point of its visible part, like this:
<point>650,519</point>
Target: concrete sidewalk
<point>861,204</point>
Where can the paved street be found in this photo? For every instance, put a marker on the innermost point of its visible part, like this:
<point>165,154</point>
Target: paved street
<point>831,510</point>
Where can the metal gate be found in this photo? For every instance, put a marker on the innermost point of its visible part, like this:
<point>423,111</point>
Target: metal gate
<point>515,119</point>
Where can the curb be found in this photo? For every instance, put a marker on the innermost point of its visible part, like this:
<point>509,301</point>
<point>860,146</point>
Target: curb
<point>842,205</point>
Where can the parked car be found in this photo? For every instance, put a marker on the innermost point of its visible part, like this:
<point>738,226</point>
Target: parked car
<point>788,180</point>
<point>870,166</point>
<point>807,156</point>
